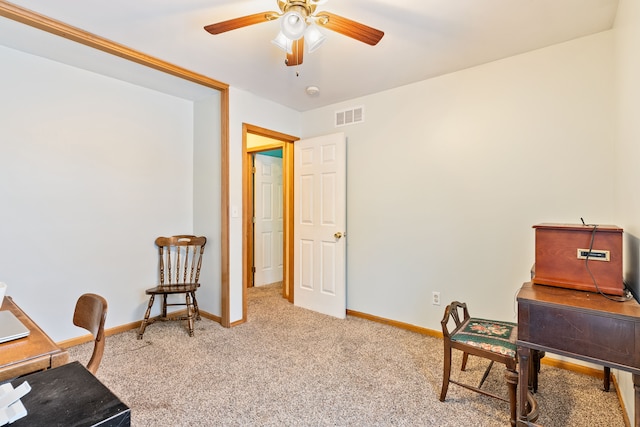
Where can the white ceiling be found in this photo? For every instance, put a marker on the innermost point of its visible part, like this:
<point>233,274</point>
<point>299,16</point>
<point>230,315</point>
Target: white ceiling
<point>423,39</point>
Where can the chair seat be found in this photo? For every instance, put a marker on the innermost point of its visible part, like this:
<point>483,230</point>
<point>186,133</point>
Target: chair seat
<point>173,289</point>
<point>490,335</point>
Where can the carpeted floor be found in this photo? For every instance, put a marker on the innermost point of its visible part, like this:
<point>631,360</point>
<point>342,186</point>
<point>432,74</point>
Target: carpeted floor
<point>288,366</point>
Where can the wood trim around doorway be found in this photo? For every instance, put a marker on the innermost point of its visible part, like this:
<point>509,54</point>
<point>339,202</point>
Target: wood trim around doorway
<point>285,142</point>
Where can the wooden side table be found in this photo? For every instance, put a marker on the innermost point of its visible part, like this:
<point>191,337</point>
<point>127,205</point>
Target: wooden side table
<point>581,325</point>
<point>29,354</point>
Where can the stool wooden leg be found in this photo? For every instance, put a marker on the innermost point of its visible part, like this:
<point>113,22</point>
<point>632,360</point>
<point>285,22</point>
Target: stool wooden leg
<point>465,358</point>
<point>486,374</point>
<point>447,371</point>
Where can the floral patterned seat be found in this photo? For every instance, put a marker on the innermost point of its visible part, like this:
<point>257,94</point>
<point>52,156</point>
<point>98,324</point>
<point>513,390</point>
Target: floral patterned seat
<point>491,335</point>
<point>490,339</point>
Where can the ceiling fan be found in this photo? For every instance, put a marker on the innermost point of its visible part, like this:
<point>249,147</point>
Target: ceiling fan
<point>299,23</point>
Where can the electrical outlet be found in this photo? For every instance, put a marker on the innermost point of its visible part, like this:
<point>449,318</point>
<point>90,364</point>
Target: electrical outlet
<point>435,298</point>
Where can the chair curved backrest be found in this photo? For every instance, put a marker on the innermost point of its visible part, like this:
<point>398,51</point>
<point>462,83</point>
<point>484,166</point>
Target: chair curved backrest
<point>180,258</point>
<point>456,311</point>
<point>90,313</point>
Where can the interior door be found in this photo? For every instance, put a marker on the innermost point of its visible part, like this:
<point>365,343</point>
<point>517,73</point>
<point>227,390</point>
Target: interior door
<point>319,224</point>
<point>268,234</point>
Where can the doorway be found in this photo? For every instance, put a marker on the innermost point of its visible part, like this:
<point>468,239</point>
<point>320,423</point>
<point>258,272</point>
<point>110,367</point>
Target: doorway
<point>267,218</point>
<point>256,140</point>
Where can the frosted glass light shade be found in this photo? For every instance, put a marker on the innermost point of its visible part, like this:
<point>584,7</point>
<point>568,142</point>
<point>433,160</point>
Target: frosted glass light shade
<point>293,25</point>
<point>283,42</point>
<point>313,37</point>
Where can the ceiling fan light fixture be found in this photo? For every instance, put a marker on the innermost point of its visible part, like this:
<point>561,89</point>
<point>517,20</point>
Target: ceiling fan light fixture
<point>283,42</point>
<point>293,23</point>
<point>313,37</point>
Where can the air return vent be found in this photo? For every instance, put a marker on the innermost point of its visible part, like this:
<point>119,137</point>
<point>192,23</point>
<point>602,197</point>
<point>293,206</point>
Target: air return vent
<point>350,116</point>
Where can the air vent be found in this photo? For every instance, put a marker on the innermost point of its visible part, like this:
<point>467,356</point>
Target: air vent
<point>350,116</point>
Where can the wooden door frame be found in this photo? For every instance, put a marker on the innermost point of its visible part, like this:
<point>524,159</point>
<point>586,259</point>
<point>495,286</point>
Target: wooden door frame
<point>284,142</point>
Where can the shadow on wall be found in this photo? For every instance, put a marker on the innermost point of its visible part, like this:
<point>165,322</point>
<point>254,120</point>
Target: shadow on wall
<point>631,262</point>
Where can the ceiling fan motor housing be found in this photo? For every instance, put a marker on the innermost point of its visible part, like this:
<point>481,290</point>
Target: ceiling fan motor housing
<point>307,6</point>
<point>298,27</point>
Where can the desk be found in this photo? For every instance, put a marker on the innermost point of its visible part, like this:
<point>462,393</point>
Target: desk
<point>30,354</point>
<point>581,325</point>
<point>70,396</point>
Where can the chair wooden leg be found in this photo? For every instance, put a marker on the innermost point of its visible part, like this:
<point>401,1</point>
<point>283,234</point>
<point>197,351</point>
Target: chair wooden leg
<point>190,313</point>
<point>145,321</point>
<point>195,305</point>
<point>164,306</point>
<point>447,371</point>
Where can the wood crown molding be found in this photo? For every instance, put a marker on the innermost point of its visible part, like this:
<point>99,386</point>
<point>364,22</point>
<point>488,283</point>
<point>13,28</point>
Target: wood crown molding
<point>44,23</point>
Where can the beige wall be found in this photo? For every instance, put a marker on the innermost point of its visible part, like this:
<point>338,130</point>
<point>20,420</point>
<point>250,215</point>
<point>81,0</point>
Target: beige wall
<point>93,169</point>
<point>447,176</point>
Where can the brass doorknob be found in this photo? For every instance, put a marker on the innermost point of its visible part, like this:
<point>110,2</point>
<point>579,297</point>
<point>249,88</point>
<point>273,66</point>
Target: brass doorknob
<point>337,235</point>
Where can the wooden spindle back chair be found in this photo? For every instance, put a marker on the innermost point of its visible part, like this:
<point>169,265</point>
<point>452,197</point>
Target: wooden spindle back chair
<point>179,264</point>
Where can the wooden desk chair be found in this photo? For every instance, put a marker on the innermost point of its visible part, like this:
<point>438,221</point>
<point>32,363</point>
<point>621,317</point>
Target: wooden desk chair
<point>180,260</point>
<point>90,313</point>
<point>490,339</point>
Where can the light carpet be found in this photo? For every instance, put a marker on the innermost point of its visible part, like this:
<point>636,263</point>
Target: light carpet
<point>287,366</point>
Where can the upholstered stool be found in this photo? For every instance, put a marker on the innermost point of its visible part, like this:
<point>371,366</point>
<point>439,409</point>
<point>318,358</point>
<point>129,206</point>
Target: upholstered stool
<point>492,340</point>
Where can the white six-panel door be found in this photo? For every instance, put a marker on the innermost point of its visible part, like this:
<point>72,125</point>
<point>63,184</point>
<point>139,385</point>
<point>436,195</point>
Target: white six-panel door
<point>268,236</point>
<point>319,224</point>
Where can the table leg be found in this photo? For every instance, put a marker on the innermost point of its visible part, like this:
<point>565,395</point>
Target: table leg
<point>524,356</point>
<point>512,382</point>
<point>636,389</point>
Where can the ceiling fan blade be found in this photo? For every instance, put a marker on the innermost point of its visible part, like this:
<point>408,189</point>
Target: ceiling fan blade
<point>297,53</point>
<point>245,21</point>
<point>350,28</point>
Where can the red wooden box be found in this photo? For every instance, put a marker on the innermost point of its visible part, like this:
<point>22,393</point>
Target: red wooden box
<point>561,252</point>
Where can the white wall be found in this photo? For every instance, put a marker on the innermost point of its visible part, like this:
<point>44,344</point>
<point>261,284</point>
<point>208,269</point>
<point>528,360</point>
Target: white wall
<point>92,170</point>
<point>447,176</point>
<point>627,31</point>
<point>207,198</point>
<point>245,107</point>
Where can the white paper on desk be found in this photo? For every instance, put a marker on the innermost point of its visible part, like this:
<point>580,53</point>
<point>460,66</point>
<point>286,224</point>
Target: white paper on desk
<point>11,408</point>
